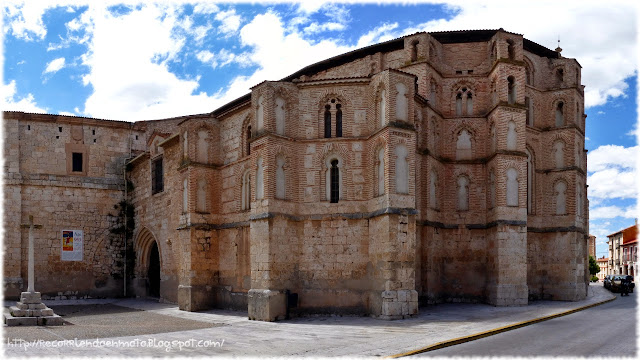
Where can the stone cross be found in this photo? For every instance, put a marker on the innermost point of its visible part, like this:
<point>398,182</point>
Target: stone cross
<point>31,226</point>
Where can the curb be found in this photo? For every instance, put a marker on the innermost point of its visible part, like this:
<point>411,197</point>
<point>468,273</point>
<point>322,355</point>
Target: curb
<point>499,330</point>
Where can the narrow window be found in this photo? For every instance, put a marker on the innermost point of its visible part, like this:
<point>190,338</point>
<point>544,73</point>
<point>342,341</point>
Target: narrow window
<point>76,159</point>
<point>529,183</point>
<point>511,49</point>
<point>463,193</point>
<point>560,75</point>
<point>327,121</point>
<point>28,127</point>
<point>338,120</point>
<point>414,51</point>
<point>528,74</point>
<point>560,114</point>
<point>512,187</point>
<point>432,94</point>
<point>60,129</point>
<point>527,104</point>
<point>459,104</point>
<point>578,114</point>
<point>249,140</point>
<point>469,104</point>
<point>157,181</point>
<point>335,181</point>
<point>512,90</point>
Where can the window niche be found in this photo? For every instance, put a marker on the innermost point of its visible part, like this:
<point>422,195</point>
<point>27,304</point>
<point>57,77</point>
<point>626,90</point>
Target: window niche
<point>560,114</point>
<point>560,189</point>
<point>157,175</point>
<point>382,108</point>
<point>380,172</point>
<point>402,170</point>
<point>333,179</point>
<point>333,110</point>
<point>280,178</point>
<point>402,105</point>
<point>246,191</point>
<point>512,187</point>
<point>463,145</point>
<point>511,88</point>
<point>464,102</point>
<point>463,193</point>
<point>280,116</point>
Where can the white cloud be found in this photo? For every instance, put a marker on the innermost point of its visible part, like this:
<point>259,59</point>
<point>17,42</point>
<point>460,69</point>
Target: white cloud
<point>128,61</point>
<point>66,113</point>
<point>610,212</point>
<point>12,103</point>
<point>379,34</point>
<point>24,19</point>
<point>607,156</point>
<point>329,26</point>
<point>230,21</point>
<point>54,65</point>
<point>205,8</point>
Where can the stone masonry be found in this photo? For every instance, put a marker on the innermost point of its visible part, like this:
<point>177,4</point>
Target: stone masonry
<point>437,167</point>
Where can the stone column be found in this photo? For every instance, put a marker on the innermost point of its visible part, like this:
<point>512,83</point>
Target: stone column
<point>392,252</point>
<point>200,259</point>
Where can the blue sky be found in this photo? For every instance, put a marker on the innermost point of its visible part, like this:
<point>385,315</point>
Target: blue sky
<point>130,60</point>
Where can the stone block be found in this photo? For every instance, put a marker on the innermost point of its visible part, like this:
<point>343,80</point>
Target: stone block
<point>266,305</point>
<point>15,311</point>
<point>30,298</point>
<point>10,320</point>
<point>53,320</point>
<point>22,306</point>
<point>37,306</point>
<point>46,312</point>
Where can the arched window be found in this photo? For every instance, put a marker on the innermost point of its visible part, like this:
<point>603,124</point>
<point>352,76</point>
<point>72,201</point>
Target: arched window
<point>260,113</point>
<point>380,172</point>
<point>560,114</point>
<point>561,198</point>
<point>511,49</point>
<point>530,172</point>
<point>492,189</point>
<point>327,121</point>
<point>402,170</point>
<point>185,196</point>
<point>201,203</point>
<point>335,181</point>
<point>464,101</point>
<point>246,191</point>
<point>248,149</point>
<point>459,104</point>
<point>338,120</point>
<point>463,145</point>
<point>382,107</point>
<point>512,90</point>
<point>414,51</point>
<point>558,154</point>
<point>527,104</point>
<point>512,136</point>
<point>432,94</point>
<point>463,193</point>
<point>433,185</point>
<point>280,178</point>
<point>185,146</point>
<point>202,156</point>
<point>512,187</point>
<point>560,75</point>
<point>280,115</point>
<point>402,106</point>
<point>527,72</point>
<point>260,180</point>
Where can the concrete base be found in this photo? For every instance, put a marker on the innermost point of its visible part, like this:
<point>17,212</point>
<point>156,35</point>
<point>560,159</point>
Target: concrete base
<point>399,304</point>
<point>195,298</point>
<point>508,295</point>
<point>30,311</point>
<point>266,305</point>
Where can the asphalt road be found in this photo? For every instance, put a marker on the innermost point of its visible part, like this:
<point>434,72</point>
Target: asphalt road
<point>605,330</point>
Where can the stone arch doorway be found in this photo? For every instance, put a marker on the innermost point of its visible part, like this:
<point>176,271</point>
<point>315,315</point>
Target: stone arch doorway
<point>153,272</point>
<point>148,267</point>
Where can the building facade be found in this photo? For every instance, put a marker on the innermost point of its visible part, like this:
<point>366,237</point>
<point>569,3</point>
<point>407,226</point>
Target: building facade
<point>436,167</point>
<point>603,262</point>
<point>623,253</point>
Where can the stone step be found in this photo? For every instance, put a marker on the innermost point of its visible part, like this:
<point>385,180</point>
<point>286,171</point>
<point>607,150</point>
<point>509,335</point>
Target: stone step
<point>53,320</point>
<point>30,297</point>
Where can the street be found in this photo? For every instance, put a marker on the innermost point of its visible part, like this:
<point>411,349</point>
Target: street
<point>605,330</point>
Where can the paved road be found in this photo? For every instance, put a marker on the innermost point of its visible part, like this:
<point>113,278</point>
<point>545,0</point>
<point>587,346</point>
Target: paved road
<point>605,330</point>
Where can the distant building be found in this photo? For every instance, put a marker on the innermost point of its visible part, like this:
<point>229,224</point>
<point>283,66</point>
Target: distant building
<point>623,251</point>
<point>592,245</point>
<point>603,262</point>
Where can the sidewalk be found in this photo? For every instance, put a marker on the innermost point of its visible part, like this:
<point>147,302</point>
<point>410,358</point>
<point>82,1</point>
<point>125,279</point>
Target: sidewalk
<point>232,334</point>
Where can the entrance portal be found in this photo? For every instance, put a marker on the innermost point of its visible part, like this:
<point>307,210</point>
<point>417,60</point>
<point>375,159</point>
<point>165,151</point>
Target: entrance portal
<point>154,271</point>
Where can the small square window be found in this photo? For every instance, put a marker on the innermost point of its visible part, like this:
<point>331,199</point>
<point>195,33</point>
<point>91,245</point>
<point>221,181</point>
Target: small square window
<point>60,128</point>
<point>76,161</point>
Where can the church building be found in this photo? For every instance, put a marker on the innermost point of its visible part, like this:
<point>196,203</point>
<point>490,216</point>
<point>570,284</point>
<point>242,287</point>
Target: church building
<point>436,167</point>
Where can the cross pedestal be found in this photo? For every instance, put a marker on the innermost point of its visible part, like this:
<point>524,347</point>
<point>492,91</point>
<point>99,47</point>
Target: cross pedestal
<point>30,310</point>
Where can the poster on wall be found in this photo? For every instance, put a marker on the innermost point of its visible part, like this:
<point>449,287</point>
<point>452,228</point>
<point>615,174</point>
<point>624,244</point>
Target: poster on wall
<point>71,245</point>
